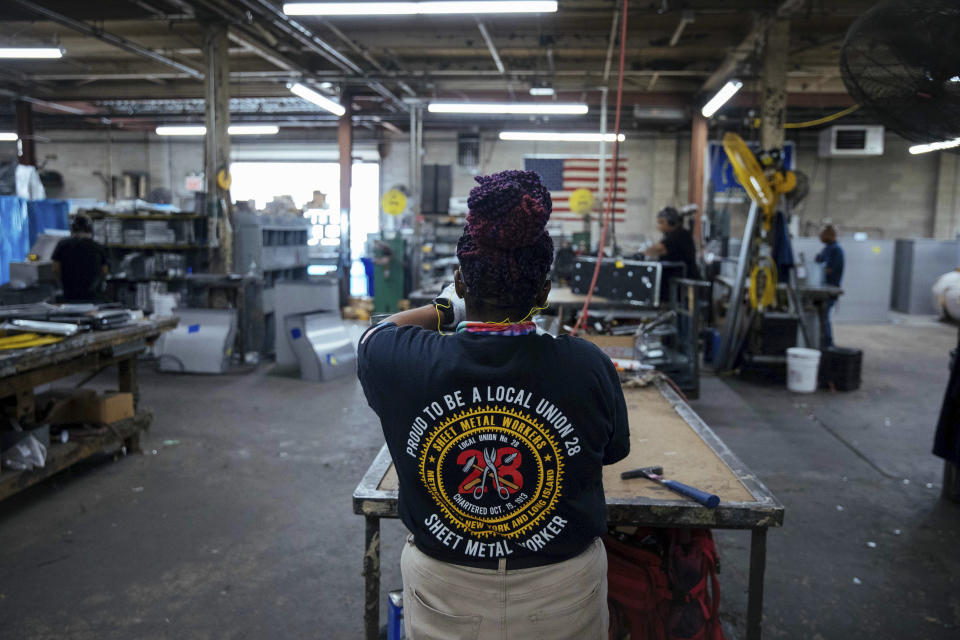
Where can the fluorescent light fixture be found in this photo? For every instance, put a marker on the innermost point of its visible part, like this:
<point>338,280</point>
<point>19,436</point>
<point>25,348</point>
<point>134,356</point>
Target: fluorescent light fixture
<point>542,136</point>
<point>233,130</point>
<point>170,130</point>
<point>31,52</point>
<point>253,129</point>
<point>935,146</point>
<point>509,108</point>
<point>726,92</point>
<point>428,7</point>
<point>541,91</point>
<point>6,136</point>
<point>318,99</point>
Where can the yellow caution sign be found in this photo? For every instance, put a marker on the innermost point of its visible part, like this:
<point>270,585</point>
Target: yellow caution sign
<point>582,201</point>
<point>394,202</point>
<point>224,179</point>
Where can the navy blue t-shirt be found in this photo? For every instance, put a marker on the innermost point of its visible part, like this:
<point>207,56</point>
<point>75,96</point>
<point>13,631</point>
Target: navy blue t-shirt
<point>498,441</point>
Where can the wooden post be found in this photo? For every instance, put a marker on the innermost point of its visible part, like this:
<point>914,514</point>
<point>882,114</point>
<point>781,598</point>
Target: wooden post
<point>698,146</point>
<point>217,145</point>
<point>773,85</point>
<point>345,141</point>
<point>26,147</point>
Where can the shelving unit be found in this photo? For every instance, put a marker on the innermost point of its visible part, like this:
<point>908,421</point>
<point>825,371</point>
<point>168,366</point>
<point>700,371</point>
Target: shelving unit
<point>438,254</point>
<point>273,248</point>
<point>140,269</point>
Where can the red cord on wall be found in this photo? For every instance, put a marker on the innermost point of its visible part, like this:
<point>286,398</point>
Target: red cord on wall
<point>611,189</point>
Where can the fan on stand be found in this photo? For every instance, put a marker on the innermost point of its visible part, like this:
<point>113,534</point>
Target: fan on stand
<point>901,60</point>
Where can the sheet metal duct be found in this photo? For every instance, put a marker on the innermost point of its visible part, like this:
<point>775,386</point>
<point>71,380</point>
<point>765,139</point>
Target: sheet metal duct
<point>322,345</point>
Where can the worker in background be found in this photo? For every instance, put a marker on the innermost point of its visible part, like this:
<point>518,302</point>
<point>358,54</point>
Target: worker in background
<point>499,435</point>
<point>80,263</point>
<point>676,246</point>
<point>832,259</point>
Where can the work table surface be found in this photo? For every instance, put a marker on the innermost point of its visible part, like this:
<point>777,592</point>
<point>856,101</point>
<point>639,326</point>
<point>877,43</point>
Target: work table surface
<point>16,361</point>
<point>664,431</point>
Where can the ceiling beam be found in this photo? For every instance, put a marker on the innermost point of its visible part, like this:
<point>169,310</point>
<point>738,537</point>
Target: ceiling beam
<point>491,46</point>
<point>314,43</point>
<point>751,43</point>
<point>110,38</point>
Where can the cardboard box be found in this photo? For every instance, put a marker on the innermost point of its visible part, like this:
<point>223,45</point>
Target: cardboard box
<point>86,405</point>
<point>615,346</point>
<point>103,408</point>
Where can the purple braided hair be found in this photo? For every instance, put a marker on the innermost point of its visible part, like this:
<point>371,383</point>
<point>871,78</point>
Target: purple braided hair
<point>505,251</point>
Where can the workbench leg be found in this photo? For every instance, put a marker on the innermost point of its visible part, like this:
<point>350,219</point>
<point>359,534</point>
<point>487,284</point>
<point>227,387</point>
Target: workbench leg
<point>371,576</point>
<point>823,315</point>
<point>758,564</point>
<point>26,406</point>
<point>127,379</point>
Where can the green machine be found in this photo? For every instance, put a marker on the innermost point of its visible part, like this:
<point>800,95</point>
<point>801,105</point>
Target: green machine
<point>581,241</point>
<point>388,282</point>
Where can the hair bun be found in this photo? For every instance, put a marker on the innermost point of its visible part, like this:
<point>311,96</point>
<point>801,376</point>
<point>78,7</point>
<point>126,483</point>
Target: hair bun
<point>521,226</point>
<point>508,210</point>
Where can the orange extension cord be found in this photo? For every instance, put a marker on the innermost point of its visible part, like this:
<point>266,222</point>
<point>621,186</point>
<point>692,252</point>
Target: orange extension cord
<point>611,189</point>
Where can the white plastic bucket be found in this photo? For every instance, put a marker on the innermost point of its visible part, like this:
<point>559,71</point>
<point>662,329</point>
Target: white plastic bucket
<point>802,368</point>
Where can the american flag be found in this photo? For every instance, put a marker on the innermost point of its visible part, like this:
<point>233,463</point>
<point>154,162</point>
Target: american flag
<point>563,176</point>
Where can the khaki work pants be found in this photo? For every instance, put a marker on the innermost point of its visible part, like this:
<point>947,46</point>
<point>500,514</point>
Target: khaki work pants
<point>563,601</point>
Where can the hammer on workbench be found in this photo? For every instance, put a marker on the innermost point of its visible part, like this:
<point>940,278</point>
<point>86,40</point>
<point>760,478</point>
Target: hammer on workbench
<point>708,500</point>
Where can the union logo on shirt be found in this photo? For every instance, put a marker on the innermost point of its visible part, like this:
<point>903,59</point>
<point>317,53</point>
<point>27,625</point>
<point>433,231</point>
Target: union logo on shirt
<point>493,471</point>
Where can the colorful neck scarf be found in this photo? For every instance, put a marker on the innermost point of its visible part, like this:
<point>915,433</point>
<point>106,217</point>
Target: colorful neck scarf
<point>492,328</point>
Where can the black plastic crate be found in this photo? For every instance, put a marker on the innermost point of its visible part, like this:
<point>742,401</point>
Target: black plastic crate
<point>840,368</point>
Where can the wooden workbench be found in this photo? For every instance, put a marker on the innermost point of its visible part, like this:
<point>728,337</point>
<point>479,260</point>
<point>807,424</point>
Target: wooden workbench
<point>664,431</point>
<point>22,370</point>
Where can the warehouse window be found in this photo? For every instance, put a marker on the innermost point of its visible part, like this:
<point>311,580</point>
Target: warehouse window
<point>263,181</point>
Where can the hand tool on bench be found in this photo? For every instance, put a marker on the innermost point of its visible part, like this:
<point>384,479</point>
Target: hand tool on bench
<point>708,500</point>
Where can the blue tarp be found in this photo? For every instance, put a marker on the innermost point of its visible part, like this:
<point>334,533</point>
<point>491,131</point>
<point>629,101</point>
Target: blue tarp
<point>14,234</point>
<point>46,214</point>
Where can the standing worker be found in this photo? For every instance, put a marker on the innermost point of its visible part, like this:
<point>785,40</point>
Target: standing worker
<point>676,246</point>
<point>499,435</point>
<point>832,259</point>
<point>80,263</point>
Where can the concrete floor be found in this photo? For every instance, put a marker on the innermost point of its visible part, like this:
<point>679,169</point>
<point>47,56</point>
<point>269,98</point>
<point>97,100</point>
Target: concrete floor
<point>237,521</point>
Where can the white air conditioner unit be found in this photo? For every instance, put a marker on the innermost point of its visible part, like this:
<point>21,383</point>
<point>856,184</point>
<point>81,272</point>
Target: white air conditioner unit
<point>851,140</point>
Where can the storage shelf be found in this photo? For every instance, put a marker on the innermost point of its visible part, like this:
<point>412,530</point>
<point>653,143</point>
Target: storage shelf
<point>133,216</point>
<point>164,247</point>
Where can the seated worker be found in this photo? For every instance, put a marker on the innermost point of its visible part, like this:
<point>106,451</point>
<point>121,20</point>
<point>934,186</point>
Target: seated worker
<point>499,435</point>
<point>675,246</point>
<point>833,263</point>
<point>80,263</point>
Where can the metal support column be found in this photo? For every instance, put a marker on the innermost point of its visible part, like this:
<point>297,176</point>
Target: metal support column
<point>416,178</point>
<point>602,190</point>
<point>345,143</point>
<point>26,147</point>
<point>773,85</point>
<point>217,146</point>
<point>698,146</point>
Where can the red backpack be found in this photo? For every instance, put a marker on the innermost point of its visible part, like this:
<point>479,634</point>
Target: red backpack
<point>692,566</point>
<point>637,592</point>
<point>662,585</point>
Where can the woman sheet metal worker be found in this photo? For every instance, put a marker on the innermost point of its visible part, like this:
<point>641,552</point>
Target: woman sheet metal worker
<point>498,435</point>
